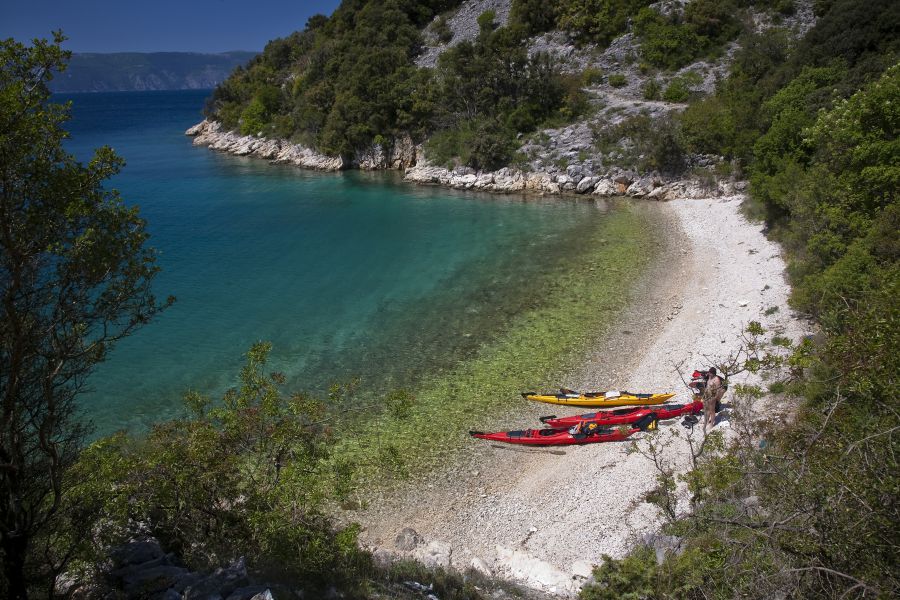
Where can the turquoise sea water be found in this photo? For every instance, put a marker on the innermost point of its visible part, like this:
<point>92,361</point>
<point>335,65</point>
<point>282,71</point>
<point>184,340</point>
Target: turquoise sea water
<point>348,275</point>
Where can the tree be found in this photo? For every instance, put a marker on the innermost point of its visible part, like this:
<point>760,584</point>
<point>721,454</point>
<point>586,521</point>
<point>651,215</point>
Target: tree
<point>75,277</point>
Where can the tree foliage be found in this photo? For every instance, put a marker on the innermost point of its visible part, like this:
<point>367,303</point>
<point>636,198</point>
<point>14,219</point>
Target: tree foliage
<point>597,21</point>
<point>242,476</point>
<point>674,41</point>
<point>75,277</point>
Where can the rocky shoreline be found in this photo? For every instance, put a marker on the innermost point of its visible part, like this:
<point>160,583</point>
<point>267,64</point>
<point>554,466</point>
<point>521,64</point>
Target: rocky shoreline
<point>402,154</point>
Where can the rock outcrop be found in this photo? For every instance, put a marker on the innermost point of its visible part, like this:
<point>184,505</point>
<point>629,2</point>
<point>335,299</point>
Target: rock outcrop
<point>615,183</point>
<point>209,133</point>
<point>396,154</point>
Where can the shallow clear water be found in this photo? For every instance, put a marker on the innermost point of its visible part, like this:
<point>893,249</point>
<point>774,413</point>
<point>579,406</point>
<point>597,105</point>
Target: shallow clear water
<point>349,274</point>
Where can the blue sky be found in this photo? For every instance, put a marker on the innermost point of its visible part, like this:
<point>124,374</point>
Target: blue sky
<point>159,25</point>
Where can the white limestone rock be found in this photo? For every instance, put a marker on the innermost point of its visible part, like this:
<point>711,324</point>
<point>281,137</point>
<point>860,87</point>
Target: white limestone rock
<point>482,567</point>
<point>586,184</point>
<point>606,187</point>
<point>434,554</point>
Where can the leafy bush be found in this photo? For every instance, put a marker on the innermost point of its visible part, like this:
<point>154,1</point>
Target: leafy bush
<point>673,42</point>
<point>490,91</point>
<point>242,477</point>
<point>617,80</point>
<point>679,89</point>
<point>652,90</point>
<point>650,144</point>
<point>676,91</point>
<point>440,27</point>
<point>591,76</point>
<point>534,16</point>
<point>666,44</point>
<point>598,21</point>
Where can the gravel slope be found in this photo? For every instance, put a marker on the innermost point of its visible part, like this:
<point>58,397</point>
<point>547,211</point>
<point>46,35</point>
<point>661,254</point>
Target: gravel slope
<point>543,517</point>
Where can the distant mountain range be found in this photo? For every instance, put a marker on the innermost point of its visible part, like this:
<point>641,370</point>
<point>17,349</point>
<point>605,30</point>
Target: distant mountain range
<point>136,71</point>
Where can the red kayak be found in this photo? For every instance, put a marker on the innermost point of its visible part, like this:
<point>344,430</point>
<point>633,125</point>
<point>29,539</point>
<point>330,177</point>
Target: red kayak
<point>624,416</point>
<point>581,433</point>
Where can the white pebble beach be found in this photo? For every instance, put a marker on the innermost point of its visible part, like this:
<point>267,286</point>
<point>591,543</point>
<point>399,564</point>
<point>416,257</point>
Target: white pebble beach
<point>543,518</point>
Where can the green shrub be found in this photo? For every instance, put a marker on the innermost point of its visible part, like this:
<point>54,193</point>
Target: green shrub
<point>254,118</point>
<point>440,27</point>
<point>535,16</point>
<point>655,144</point>
<point>664,44</point>
<point>652,90</point>
<point>591,76</point>
<point>487,21</point>
<point>671,43</point>
<point>617,80</point>
<point>633,577</point>
<point>676,91</point>
<point>598,21</point>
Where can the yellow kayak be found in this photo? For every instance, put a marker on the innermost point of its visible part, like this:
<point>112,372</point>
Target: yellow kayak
<point>598,399</point>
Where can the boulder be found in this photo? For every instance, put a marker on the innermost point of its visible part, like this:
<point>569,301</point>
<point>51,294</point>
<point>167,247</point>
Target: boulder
<point>537,182</point>
<point>371,158</point>
<point>663,544</point>
<point>220,584</point>
<point>640,188</point>
<point>575,172</point>
<point>435,554</point>
<point>484,181</point>
<point>482,567</point>
<point>251,592</point>
<point>463,181</point>
<point>403,153</point>
<point>552,188</point>
<point>586,184</point>
<point>138,552</point>
<point>659,193</point>
<point>407,540</point>
<point>508,180</point>
<point>427,174</point>
<point>141,583</point>
<point>383,558</point>
<point>606,187</point>
<point>583,569</point>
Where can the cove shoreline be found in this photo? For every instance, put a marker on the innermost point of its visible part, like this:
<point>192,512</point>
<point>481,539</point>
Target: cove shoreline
<point>513,513</point>
<point>402,154</point>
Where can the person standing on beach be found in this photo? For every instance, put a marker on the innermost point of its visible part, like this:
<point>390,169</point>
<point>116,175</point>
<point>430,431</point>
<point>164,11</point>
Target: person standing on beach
<point>712,394</point>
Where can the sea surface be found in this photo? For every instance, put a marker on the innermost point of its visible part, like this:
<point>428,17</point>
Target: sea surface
<point>349,275</point>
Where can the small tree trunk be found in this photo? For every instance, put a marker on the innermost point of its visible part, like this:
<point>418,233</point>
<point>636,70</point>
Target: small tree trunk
<point>14,550</point>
